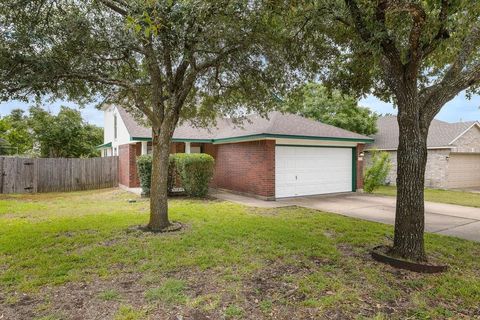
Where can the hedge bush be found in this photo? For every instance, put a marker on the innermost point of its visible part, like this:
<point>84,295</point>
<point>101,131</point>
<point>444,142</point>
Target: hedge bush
<point>144,169</point>
<point>377,172</point>
<point>195,172</point>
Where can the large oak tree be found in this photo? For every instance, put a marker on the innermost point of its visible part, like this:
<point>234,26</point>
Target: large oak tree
<point>164,60</point>
<point>419,54</point>
<point>315,101</point>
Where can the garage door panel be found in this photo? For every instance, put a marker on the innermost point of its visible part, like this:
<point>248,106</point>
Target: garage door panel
<point>312,170</point>
<point>286,178</point>
<point>463,170</point>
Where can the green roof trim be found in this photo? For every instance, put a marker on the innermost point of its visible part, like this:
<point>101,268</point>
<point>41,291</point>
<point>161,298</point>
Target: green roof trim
<point>140,139</point>
<point>194,140</point>
<point>287,136</point>
<point>354,169</point>
<point>105,145</point>
<point>174,140</point>
<point>260,136</point>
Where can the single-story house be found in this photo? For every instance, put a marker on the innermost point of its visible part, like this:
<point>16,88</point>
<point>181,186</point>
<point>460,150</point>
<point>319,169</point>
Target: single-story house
<point>284,155</point>
<point>453,152</point>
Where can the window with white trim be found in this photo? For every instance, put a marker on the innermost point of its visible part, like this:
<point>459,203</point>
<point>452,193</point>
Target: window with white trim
<point>115,126</point>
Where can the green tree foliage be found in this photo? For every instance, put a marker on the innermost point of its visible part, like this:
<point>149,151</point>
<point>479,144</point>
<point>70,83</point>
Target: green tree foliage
<point>5,148</point>
<point>332,107</point>
<point>417,54</point>
<point>377,172</point>
<point>14,130</point>
<point>164,61</point>
<point>40,133</point>
<point>65,135</point>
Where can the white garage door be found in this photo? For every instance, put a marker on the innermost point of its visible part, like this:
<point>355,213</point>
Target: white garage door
<point>301,171</point>
<point>463,170</point>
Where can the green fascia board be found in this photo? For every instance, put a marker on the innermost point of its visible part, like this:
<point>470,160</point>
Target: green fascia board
<point>194,140</point>
<point>173,140</point>
<point>140,139</point>
<point>287,136</point>
<point>260,136</point>
<point>312,146</point>
<point>105,145</point>
<point>354,169</point>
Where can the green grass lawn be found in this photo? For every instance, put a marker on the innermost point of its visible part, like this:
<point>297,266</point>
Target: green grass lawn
<point>462,198</point>
<point>79,256</point>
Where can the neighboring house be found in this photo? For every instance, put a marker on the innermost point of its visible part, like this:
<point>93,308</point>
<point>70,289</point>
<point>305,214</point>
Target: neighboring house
<point>453,152</point>
<point>282,156</point>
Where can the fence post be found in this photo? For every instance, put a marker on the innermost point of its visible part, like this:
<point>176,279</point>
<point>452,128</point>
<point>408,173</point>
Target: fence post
<point>1,174</point>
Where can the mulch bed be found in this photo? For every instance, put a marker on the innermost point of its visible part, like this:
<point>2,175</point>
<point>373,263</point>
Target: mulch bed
<point>381,254</point>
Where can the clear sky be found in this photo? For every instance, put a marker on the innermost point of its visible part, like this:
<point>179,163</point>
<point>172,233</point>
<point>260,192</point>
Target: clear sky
<point>459,109</point>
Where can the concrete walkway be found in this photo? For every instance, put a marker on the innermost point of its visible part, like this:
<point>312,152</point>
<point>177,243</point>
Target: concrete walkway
<point>448,219</point>
<point>247,201</point>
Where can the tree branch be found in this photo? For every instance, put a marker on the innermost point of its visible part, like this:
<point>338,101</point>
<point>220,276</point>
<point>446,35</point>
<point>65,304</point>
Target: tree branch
<point>91,77</point>
<point>114,5</point>
<point>442,32</point>
<point>456,79</point>
<point>419,16</point>
<point>140,104</point>
<point>156,80</point>
<point>470,43</point>
<point>386,43</point>
<point>213,62</point>
<point>358,22</point>
<point>434,97</point>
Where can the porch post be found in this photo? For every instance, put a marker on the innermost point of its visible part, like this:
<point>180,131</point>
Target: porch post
<point>144,147</point>
<point>187,147</point>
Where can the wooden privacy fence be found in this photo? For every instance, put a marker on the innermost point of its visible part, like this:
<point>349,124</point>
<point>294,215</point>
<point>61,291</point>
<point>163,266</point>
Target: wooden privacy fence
<point>25,175</point>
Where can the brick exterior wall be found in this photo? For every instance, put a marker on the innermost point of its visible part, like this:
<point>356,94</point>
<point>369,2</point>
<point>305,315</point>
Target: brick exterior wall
<point>127,166</point>
<point>360,166</point>
<point>247,167</point>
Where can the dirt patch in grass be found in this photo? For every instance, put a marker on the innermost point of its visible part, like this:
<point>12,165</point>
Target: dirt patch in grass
<point>273,291</point>
<point>77,300</point>
<point>98,299</point>
<point>208,294</point>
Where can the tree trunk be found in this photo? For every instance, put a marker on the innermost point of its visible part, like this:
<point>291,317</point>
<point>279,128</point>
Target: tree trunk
<point>158,190</point>
<point>411,162</point>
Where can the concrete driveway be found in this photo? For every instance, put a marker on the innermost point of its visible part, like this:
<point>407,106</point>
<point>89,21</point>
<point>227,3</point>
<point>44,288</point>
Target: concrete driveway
<point>448,219</point>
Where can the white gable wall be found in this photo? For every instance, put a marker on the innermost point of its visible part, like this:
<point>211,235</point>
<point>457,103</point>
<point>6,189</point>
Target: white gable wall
<point>123,137</point>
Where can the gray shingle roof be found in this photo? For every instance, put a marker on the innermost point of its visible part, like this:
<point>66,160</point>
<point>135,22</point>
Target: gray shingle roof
<point>440,133</point>
<point>276,123</point>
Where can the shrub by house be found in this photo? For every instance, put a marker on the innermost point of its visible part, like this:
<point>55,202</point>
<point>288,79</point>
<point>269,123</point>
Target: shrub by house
<point>194,170</point>
<point>377,172</point>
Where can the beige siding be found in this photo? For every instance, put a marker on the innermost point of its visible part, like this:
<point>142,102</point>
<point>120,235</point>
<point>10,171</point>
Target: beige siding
<point>463,170</point>
<point>468,142</point>
<point>435,173</point>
